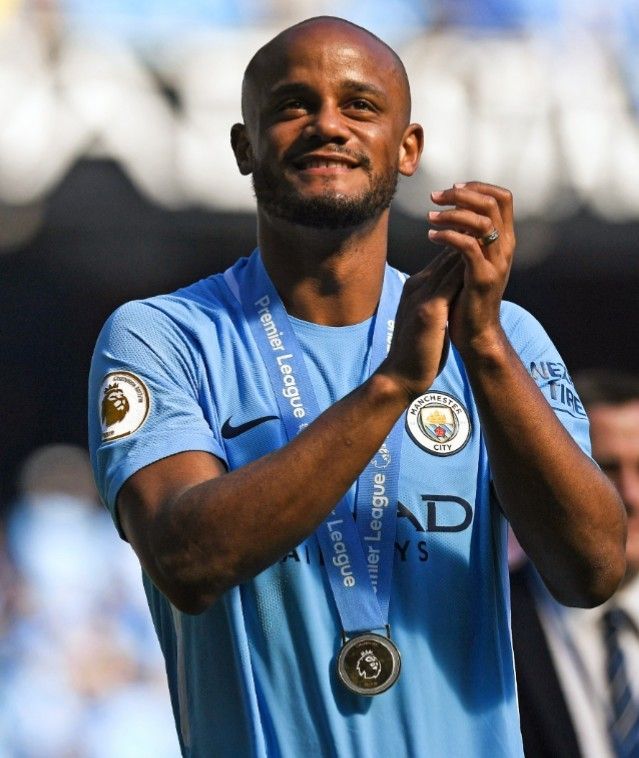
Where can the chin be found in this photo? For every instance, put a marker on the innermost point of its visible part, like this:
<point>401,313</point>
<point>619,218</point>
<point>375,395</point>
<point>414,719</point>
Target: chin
<point>328,203</point>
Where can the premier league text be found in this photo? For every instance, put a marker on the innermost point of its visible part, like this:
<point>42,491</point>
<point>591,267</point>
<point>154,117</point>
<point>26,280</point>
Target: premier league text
<point>290,389</point>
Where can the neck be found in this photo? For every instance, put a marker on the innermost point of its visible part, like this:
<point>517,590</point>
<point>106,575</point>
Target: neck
<point>327,276</point>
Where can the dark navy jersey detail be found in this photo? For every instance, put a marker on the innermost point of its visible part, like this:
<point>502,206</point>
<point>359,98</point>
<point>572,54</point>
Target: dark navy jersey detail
<point>229,431</point>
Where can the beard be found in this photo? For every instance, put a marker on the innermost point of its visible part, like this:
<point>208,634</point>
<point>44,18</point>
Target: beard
<point>329,210</point>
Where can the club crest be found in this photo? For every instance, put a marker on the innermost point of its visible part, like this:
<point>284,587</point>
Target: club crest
<point>438,423</point>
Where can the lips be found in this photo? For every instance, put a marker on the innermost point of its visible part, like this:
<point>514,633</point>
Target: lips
<point>332,162</point>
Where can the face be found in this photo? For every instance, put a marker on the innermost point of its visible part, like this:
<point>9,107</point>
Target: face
<point>326,128</point>
<point>614,430</point>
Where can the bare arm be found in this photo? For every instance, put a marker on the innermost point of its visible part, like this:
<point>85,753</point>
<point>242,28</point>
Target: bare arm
<point>564,511</point>
<point>199,530</point>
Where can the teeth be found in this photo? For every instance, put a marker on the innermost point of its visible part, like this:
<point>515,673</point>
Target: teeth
<point>317,163</point>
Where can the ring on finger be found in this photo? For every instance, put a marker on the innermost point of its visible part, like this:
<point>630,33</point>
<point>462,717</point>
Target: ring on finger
<point>489,238</point>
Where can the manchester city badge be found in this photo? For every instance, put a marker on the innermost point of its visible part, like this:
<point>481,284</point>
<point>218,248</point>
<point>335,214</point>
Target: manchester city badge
<point>438,423</point>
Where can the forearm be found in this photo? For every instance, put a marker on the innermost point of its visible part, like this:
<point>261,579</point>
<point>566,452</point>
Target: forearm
<point>564,511</point>
<point>227,529</point>
<point>199,530</point>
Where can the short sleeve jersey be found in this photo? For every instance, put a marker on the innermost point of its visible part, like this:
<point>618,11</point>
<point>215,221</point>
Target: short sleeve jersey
<point>255,674</point>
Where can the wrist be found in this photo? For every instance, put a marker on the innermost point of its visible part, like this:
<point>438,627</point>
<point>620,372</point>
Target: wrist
<point>391,389</point>
<point>489,349</point>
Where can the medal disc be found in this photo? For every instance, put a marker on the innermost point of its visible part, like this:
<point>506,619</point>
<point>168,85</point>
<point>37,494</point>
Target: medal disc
<point>369,664</point>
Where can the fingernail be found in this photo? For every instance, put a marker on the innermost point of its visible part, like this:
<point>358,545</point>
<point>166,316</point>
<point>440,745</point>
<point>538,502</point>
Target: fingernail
<point>459,185</point>
<point>437,195</point>
<point>431,234</point>
<point>434,214</point>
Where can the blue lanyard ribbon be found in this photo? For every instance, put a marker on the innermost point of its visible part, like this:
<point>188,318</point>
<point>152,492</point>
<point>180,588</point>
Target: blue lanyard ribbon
<point>358,557</point>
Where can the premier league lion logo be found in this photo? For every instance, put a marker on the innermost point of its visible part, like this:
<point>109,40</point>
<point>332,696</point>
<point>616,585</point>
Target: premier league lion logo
<point>115,405</point>
<point>382,458</point>
<point>368,665</point>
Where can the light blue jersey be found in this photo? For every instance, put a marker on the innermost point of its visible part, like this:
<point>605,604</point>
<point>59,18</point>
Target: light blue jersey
<point>255,674</point>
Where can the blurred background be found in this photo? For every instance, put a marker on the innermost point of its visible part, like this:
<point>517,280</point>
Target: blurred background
<point>117,181</point>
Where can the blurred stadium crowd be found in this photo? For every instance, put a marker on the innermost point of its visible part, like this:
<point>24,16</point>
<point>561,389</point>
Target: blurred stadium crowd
<point>81,670</point>
<point>525,92</point>
<point>116,181</point>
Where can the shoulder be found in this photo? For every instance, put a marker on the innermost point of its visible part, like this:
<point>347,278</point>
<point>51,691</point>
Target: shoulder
<point>513,316</point>
<point>177,316</point>
<point>524,331</point>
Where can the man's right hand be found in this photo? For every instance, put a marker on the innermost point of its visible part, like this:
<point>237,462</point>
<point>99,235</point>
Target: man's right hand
<point>420,341</point>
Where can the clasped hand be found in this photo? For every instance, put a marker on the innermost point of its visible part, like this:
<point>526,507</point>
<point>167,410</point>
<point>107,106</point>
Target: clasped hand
<point>458,295</point>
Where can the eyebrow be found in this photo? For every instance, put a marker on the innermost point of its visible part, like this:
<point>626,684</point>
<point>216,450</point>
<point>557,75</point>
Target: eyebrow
<point>364,88</point>
<point>357,87</point>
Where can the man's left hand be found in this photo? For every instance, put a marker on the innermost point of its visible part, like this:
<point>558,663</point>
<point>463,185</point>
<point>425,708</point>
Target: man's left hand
<point>478,211</point>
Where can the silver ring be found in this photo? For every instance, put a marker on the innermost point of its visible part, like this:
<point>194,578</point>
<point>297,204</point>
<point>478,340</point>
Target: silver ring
<point>489,238</point>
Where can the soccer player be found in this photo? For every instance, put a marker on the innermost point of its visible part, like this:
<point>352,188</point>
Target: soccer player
<point>313,457</point>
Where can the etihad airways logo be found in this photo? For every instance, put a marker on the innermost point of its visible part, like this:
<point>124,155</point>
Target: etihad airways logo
<point>443,514</point>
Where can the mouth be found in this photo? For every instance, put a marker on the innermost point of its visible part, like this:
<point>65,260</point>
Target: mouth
<point>325,164</point>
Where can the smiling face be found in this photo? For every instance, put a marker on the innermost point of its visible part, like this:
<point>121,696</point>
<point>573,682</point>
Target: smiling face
<point>326,107</point>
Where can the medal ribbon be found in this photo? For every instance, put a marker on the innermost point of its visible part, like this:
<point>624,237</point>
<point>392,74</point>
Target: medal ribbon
<point>358,557</point>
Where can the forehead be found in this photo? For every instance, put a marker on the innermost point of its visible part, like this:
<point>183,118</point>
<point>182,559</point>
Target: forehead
<point>327,53</point>
<point>615,428</point>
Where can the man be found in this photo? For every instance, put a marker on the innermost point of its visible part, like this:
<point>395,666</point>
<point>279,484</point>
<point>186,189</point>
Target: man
<point>564,655</point>
<point>294,448</point>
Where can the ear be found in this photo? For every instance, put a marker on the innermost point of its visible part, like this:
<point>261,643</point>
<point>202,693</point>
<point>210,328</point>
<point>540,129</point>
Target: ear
<point>410,149</point>
<point>242,149</point>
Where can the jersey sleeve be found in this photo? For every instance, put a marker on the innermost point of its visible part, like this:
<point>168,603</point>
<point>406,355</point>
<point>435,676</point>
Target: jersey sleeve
<point>145,384</point>
<point>547,368</point>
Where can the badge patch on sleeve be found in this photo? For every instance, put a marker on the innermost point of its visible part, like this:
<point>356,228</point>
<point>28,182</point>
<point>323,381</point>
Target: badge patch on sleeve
<point>438,423</point>
<point>124,405</point>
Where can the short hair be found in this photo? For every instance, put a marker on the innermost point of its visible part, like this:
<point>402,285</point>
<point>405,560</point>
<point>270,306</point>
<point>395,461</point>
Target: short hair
<point>606,386</point>
<point>253,66</point>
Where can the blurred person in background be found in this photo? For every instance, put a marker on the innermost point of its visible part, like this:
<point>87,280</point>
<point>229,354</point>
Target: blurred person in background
<point>578,669</point>
<point>79,660</point>
<point>224,469</point>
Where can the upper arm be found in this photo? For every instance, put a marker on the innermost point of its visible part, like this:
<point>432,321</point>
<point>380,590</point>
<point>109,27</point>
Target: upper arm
<point>147,357</point>
<point>158,436</point>
<point>546,367</point>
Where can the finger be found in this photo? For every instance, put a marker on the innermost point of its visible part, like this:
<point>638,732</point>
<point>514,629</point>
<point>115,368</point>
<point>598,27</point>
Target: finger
<point>452,281</point>
<point>468,246</point>
<point>481,203</point>
<point>502,195</point>
<point>463,221</point>
<point>435,270</point>
<point>486,207</point>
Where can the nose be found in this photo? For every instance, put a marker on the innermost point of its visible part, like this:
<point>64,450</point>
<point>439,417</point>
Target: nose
<point>328,124</point>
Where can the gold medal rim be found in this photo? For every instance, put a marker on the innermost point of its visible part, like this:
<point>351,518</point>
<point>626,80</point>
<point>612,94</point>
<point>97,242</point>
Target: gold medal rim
<point>388,644</point>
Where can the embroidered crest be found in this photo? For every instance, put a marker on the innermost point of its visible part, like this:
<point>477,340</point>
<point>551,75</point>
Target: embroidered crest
<point>124,404</point>
<point>438,423</point>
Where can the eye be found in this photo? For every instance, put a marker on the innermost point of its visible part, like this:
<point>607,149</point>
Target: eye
<point>292,104</point>
<point>361,105</point>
